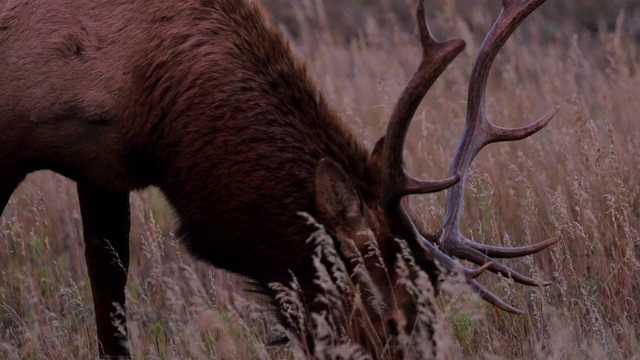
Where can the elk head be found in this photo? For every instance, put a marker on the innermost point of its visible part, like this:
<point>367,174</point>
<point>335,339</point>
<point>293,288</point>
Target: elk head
<point>347,207</point>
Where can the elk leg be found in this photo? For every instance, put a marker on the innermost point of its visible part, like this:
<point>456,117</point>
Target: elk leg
<point>7,185</point>
<point>106,221</point>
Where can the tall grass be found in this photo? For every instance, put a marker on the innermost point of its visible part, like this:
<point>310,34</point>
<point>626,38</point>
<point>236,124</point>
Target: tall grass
<point>576,179</point>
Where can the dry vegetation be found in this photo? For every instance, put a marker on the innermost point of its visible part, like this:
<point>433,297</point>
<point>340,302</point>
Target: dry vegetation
<point>577,179</point>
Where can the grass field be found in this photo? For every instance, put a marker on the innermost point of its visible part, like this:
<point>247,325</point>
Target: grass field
<point>578,179</point>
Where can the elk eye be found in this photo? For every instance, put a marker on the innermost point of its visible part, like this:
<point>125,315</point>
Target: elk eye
<point>338,246</point>
<point>392,325</point>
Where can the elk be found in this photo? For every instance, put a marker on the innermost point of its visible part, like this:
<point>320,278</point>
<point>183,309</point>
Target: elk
<point>205,100</point>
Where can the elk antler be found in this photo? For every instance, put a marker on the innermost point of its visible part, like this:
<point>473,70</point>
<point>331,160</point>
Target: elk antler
<point>396,182</point>
<point>435,58</point>
<point>478,132</point>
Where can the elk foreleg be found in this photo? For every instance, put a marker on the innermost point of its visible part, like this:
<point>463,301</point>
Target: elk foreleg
<point>7,185</point>
<point>106,222</point>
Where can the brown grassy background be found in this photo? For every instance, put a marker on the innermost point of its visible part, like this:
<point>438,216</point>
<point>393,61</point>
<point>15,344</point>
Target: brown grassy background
<point>577,179</point>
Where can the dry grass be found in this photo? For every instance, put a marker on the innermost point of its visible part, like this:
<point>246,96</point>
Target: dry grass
<point>577,179</point>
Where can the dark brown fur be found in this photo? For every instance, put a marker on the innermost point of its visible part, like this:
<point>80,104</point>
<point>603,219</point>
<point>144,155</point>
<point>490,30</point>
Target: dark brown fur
<point>200,98</point>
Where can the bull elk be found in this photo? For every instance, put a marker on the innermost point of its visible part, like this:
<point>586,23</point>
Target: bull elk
<point>205,100</point>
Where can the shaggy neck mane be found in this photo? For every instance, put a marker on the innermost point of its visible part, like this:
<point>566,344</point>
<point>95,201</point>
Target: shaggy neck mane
<point>237,72</point>
<point>228,100</point>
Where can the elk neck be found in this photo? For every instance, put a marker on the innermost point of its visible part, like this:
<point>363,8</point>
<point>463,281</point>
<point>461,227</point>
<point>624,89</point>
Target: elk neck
<point>235,128</point>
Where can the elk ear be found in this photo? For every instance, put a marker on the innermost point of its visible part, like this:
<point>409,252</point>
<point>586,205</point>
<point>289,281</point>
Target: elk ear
<point>340,207</point>
<point>378,148</point>
<point>375,160</point>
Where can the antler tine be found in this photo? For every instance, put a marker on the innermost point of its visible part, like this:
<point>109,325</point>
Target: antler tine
<point>473,255</point>
<point>494,300</point>
<point>433,254</point>
<point>435,58</point>
<point>503,252</point>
